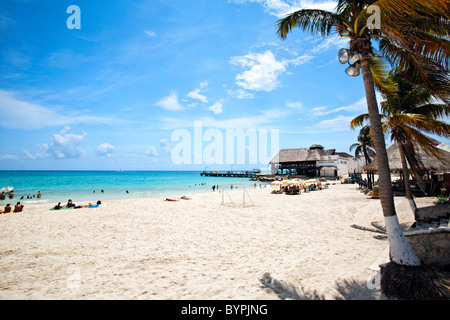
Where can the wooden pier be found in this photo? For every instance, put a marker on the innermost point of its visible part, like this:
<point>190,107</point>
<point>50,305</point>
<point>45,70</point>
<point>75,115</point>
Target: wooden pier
<point>230,174</point>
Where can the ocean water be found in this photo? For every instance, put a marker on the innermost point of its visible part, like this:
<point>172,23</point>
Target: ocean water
<point>59,186</point>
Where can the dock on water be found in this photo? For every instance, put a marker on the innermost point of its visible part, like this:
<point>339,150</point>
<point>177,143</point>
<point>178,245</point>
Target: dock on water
<point>246,174</point>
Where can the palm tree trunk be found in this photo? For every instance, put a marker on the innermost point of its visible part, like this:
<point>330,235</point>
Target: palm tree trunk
<point>416,172</point>
<point>400,250</point>
<point>408,191</point>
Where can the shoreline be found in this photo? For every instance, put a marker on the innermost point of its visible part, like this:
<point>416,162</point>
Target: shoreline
<point>276,247</point>
<point>130,197</point>
<point>116,185</point>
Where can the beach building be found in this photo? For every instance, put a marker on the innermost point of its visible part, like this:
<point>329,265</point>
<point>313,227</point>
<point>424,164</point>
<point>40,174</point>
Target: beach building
<point>315,161</point>
<point>435,171</point>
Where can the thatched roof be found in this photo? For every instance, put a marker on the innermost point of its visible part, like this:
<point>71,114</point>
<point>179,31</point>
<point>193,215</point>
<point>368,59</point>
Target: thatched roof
<point>343,154</point>
<point>300,155</point>
<point>429,161</point>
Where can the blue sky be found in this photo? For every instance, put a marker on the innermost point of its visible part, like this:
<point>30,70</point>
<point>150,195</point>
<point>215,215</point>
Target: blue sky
<point>111,95</point>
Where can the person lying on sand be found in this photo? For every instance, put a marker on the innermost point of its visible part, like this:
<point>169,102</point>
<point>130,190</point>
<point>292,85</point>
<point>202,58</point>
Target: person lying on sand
<point>95,205</point>
<point>70,204</point>
<point>167,199</point>
<point>185,198</point>
<point>58,206</point>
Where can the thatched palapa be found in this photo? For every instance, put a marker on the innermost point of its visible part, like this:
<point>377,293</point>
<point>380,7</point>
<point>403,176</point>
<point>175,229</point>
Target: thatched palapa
<point>429,161</point>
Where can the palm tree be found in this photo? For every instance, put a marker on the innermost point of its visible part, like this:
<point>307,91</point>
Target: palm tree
<point>349,20</point>
<point>408,113</point>
<point>364,145</point>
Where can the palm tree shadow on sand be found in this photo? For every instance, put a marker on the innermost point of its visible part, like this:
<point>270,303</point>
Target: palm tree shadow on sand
<point>346,290</point>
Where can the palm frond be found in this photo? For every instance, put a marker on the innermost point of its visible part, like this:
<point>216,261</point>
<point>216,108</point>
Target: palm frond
<point>418,69</point>
<point>397,10</point>
<point>434,110</point>
<point>380,75</point>
<point>407,121</point>
<point>359,121</point>
<point>310,20</point>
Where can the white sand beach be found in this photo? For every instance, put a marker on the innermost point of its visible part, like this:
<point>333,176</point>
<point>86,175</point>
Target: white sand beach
<point>281,247</point>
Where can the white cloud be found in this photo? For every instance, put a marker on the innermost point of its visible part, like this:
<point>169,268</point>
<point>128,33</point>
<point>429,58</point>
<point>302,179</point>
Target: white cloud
<point>150,33</point>
<point>264,119</point>
<point>19,114</point>
<point>65,145</point>
<point>217,107</point>
<point>263,70</point>
<point>280,8</point>
<point>240,94</point>
<point>152,152</point>
<point>104,149</point>
<point>331,42</point>
<point>356,108</point>
<point>294,105</point>
<point>8,157</point>
<point>170,102</point>
<point>164,147</point>
<point>24,115</point>
<point>29,155</point>
<point>337,124</point>
<point>39,155</point>
<point>196,93</point>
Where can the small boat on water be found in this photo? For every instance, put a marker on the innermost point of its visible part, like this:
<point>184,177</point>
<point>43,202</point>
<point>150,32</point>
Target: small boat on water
<point>6,189</point>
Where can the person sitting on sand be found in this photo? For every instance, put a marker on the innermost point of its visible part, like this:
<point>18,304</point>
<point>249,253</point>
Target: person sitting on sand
<point>18,207</point>
<point>70,204</point>
<point>58,206</point>
<point>7,208</point>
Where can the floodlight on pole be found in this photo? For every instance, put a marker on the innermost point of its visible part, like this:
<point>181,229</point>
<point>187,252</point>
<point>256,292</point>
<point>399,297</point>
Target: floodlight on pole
<point>343,56</point>
<point>353,70</point>
<point>347,56</point>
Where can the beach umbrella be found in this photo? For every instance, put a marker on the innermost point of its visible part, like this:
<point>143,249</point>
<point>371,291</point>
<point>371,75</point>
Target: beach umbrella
<point>275,183</point>
<point>6,189</point>
<point>310,181</point>
<point>313,181</point>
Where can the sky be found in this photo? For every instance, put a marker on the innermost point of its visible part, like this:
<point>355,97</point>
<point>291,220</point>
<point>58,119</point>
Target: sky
<point>161,85</point>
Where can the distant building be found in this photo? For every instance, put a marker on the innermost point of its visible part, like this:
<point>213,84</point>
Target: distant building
<point>315,161</point>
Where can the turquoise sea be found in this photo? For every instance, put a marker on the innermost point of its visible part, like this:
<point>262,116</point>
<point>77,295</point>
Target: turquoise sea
<point>59,186</point>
